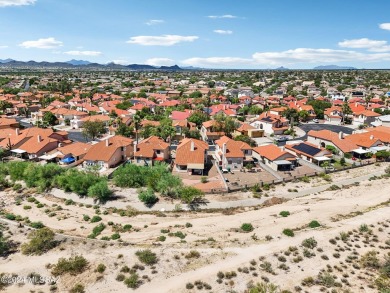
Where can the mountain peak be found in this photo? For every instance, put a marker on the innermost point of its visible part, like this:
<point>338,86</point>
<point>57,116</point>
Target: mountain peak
<point>78,62</point>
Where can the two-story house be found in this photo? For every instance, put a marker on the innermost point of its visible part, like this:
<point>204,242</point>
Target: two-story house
<point>231,154</point>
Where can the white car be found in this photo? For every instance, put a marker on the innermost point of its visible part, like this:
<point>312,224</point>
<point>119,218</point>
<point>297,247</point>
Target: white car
<point>315,121</point>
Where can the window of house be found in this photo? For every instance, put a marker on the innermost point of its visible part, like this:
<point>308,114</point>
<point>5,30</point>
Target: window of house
<point>229,162</point>
<point>158,152</point>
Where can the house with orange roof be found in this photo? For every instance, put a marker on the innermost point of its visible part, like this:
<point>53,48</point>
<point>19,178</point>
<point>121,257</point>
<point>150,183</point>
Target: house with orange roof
<point>209,130</point>
<point>248,130</point>
<point>151,149</point>
<point>323,138</point>
<point>8,123</point>
<point>191,156</point>
<point>231,154</point>
<point>77,122</point>
<point>356,144</point>
<point>309,152</point>
<point>365,117</point>
<point>180,127</point>
<point>271,124</point>
<point>110,152</point>
<point>274,157</point>
<point>333,114</point>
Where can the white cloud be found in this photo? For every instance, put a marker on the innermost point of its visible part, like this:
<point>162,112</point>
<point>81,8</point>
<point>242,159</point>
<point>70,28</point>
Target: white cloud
<point>4,3</point>
<point>223,32</point>
<point>121,62</point>
<point>164,40</point>
<point>385,26</point>
<point>220,62</point>
<point>154,21</point>
<point>364,43</point>
<point>160,62</point>
<point>3,47</point>
<point>308,55</point>
<point>49,43</point>
<point>301,56</point>
<point>84,53</point>
<point>221,16</point>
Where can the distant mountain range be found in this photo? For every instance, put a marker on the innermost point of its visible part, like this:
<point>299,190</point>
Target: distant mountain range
<point>82,64</point>
<point>333,67</point>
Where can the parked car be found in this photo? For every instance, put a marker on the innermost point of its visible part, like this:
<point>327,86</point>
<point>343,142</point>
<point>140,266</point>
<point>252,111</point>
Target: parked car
<point>281,138</point>
<point>315,120</point>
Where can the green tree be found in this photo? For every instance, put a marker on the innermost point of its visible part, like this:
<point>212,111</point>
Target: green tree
<point>100,192</point>
<point>346,110</point>
<point>148,197</point>
<point>124,130</point>
<point>303,115</point>
<point>198,118</point>
<point>49,119</point>
<point>246,139</point>
<point>92,129</point>
<point>189,194</point>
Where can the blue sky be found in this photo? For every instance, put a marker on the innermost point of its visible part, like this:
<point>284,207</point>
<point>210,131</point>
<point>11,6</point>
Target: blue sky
<point>206,33</point>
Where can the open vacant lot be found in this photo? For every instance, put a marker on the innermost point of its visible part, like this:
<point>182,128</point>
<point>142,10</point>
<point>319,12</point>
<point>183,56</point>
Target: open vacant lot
<point>195,246</point>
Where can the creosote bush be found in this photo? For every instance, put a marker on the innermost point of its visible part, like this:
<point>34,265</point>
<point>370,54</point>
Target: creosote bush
<point>146,256</point>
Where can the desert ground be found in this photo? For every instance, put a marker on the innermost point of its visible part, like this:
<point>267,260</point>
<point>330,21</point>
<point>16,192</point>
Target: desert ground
<point>199,250</point>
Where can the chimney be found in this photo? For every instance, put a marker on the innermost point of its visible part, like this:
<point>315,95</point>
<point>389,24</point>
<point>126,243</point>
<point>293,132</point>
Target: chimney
<point>17,131</point>
<point>107,142</point>
<point>224,148</point>
<point>341,135</point>
<point>371,137</point>
<point>356,104</point>
<point>135,147</point>
<point>39,138</point>
<point>192,145</point>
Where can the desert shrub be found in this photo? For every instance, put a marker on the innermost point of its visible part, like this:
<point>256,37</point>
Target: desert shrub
<point>96,219</point>
<point>288,232</point>
<point>132,281</point>
<point>120,277</point>
<point>326,177</point>
<point>188,225</point>
<point>146,256</point>
<point>86,218</point>
<point>101,268</point>
<point>326,280</point>
<point>314,224</point>
<point>180,235</point>
<point>305,179</point>
<point>192,254</point>
<point>115,236</point>
<point>147,197</point>
<point>364,228</point>
<point>11,217</point>
<point>73,266</point>
<point>284,214</point>
<point>267,267</point>
<point>37,225</point>
<point>333,187</point>
<point>309,243</point>
<point>247,227</point>
<point>370,260</point>
<point>41,241</point>
<point>203,179</point>
<point>78,288</point>
<point>161,238</point>
<point>264,287</point>
<point>97,230</point>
